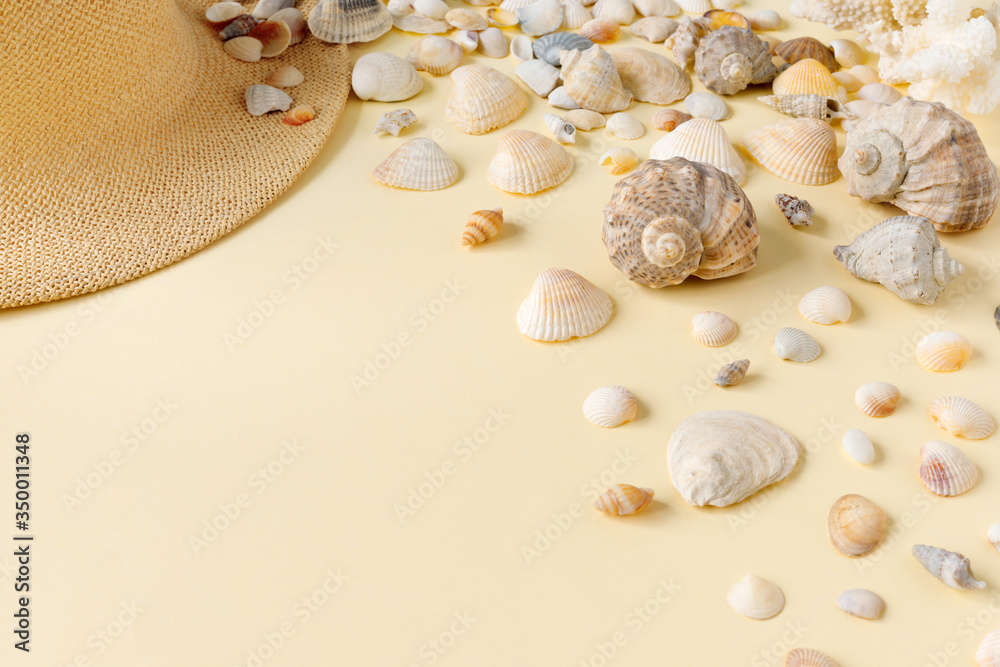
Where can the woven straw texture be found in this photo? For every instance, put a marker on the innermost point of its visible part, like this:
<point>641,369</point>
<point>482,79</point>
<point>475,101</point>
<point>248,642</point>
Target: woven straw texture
<point>125,142</point>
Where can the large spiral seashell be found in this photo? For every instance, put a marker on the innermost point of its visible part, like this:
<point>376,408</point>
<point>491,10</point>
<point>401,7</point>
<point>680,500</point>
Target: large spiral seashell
<point>946,470</point>
<point>960,416</point>
<point>730,59</point>
<point>855,525</point>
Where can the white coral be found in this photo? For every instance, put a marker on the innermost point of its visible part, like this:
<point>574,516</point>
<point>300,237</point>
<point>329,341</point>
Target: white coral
<point>860,14</point>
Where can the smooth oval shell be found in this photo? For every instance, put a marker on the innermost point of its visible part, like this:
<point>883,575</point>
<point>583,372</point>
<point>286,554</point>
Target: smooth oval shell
<point>988,652</point>
<point>764,19</point>
<point>621,160</point>
<point>654,29</point>
<point>668,119</point>
<point>482,226</point>
<point>808,77</point>
<point>526,162</point>
<point>247,49</point>
<point>575,15</point>
<point>877,399</point>
<point>701,140</point>
<point>943,351</point>
<point>419,164</point>
<point>592,81</point>
<point>848,81</point>
<point>861,603</point>
<point>859,446</point>
<point>385,77</point>
<point>264,99</point>
<point>349,21</point>
<point>610,406</point>
<point>223,12</point>
<point>650,77</point>
<point>732,374</point>
<point>960,416</point>
<point>795,345</point>
<point>707,105</point>
<point>864,73</point>
<point>826,305</point>
<point>945,469</point>
<point>624,126</point>
<point>285,76</point>
<point>855,525</point>
<point>801,48</point>
<point>952,568</point>
<point>563,304</point>
<point>993,535</point>
<point>800,150</point>
<point>755,597</point>
<point>730,59</point>
<point>624,499</point>
<point>483,99</point>
<point>600,31</point>
<point>586,120</point>
<point>713,329</point>
<point>808,657</point>
<point>847,53</point>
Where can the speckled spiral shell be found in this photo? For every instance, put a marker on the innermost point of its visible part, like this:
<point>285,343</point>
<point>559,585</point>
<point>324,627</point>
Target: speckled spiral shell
<point>526,162</point>
<point>419,164</point>
<point>610,406</point>
<point>808,106</point>
<point>925,159</point>
<point>624,499</point>
<point>801,48</point>
<point>482,99</point>
<point>945,469</point>
<point>701,140</point>
<point>349,21</point>
<point>800,150</point>
<point>385,77</point>
<point>649,76</point>
<point>674,218</point>
<point>563,304</point>
<point>730,59</point>
<point>732,374</point>
<point>592,81</point>
<point>960,416</point>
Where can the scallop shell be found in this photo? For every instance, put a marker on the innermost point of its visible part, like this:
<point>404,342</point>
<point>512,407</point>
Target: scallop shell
<point>624,126</point>
<point>285,76</point>
<point>299,115</point>
<point>223,12</point>
<point>562,305</point>
<point>600,31</point>
<point>754,597</point>
<point>493,44</point>
<point>482,99</point>
<point>950,567</point>
<point>521,48</point>
<point>807,106</point>
<point>808,657</point>
<point>243,48</point>
<point>849,82</point>
<point>610,406</point>
<point>847,53</point>
<point>540,17</point>
<point>960,416</point>
<point>295,21</point>
<point>701,140</point>
<point>797,211</point>
<point>877,399</point>
<point>707,105</point>
<point>668,119</point>
<point>713,329</point>
<point>395,121</point>
<point>765,19</point>
<point>859,446</point>
<point>802,48</point>
<point>826,305</point>
<point>263,99</point>
<point>265,8</point>
<point>808,77</point>
<point>624,499</point>
<point>730,59</point>
<point>879,93</point>
<point>732,374</point>
<point>864,74</point>
<point>855,525</point>
<point>592,81</point>
<point>274,37</point>
<point>684,41</point>
<point>239,27</point>
<point>654,29</point>
<point>466,19</point>
<point>943,351</point>
<point>540,76</point>
<point>722,457</point>
<point>800,150</point>
<point>435,55</point>
<point>548,47</point>
<point>649,76</point>
<point>526,163</point>
<point>795,345</point>
<point>514,5</point>
<point>575,15</point>
<point>349,21</point>
<point>861,603</point>
<point>419,164</point>
<point>694,6</point>
<point>482,226</point>
<point>384,77</point>
<point>622,160</point>
<point>988,652</point>
<point>654,8</point>
<point>586,120</point>
<point>559,98</point>
<point>423,25</point>
<point>564,132</point>
<point>945,469</point>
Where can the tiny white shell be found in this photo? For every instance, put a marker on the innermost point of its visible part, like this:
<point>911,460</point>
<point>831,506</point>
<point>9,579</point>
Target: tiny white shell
<point>826,305</point>
<point>879,93</point>
<point>877,399</point>
<point>847,53</point>
<point>707,105</point>
<point>610,406</point>
<point>943,351</point>
<point>755,597</point>
<point>960,416</point>
<point>559,98</point>
<point>622,160</point>
<point>562,131</point>
<point>713,329</point>
<point>859,446</point>
<point>861,603</point>
<point>795,345</point>
<point>624,126</point>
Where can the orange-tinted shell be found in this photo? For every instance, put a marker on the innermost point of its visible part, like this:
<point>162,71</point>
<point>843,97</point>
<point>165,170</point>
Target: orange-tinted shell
<point>624,499</point>
<point>723,17</point>
<point>299,115</point>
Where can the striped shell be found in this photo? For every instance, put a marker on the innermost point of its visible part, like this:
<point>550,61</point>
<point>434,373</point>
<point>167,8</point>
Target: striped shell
<point>847,53</point>
<point>754,597</point>
<point>621,160</point>
<point>264,99</point>
<point>349,21</point>
<point>299,115</point>
<point>795,345</point>
<point>650,77</point>
<point>988,653</point>
<point>466,19</point>
<point>600,31</point>
<point>563,304</point>
<point>826,305</point>
<point>945,469</point>
<point>482,99</point>
<point>861,603</point>
<point>592,81</point>
<point>668,119</point>
<point>943,351</point>
<point>808,77</point>
<point>802,48</point>
<point>800,150</point>
<point>701,140</point>
<point>575,15</point>
<point>419,164</point>
<point>624,499</point>
<point>855,525</point>
<point>713,329</point>
<point>610,406</point>
<point>247,49</point>
<point>526,163</point>
<point>877,399</point>
<point>385,77</point>
<point>808,657</point>
<point>435,55</point>
<point>624,126</point>
<point>732,374</point>
<point>482,226</point>
<point>960,416</point>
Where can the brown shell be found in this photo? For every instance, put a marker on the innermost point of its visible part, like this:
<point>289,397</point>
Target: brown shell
<point>673,218</point>
<point>925,159</point>
<point>730,59</point>
<point>801,48</point>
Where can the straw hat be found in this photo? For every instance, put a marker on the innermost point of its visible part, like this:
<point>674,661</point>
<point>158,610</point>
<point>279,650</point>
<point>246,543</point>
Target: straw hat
<point>125,143</point>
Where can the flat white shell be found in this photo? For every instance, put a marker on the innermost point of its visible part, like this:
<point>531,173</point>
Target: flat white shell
<point>859,446</point>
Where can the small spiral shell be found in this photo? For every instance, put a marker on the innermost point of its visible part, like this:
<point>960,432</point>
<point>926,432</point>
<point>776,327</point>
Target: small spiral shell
<point>624,499</point>
<point>482,226</point>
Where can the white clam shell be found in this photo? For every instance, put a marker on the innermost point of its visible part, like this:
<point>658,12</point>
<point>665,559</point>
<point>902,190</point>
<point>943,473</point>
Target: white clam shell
<point>847,53</point>
<point>563,304</point>
<point>624,126</point>
<point>385,77</point>
<point>574,14</point>
<point>520,48</point>
<point>695,6</point>
<point>562,131</point>
<point>493,44</point>
<point>247,49</point>
<point>539,76</point>
<point>713,329</point>
<point>610,406</point>
<point>621,160</point>
<point>540,17</point>
<point>560,99</point>
<point>879,93</point>
<point>877,399</point>
<point>943,351</point>
<point>859,446</point>
<point>795,345</point>
<point>755,597</point>
<point>826,305</point>
<point>950,567</point>
<point>732,374</point>
<point>262,99</point>
<point>764,19</point>
<point>419,164</point>
<point>988,653</point>
<point>654,29</point>
<point>585,119</point>
<point>223,11</point>
<point>960,416</point>
<point>701,140</point>
<point>265,8</point>
<point>945,469</point>
<point>707,105</point>
<point>862,603</point>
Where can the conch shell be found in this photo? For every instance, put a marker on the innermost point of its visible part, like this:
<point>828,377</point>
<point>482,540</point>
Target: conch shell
<point>592,81</point>
<point>730,59</point>
<point>950,567</point>
<point>808,106</point>
<point>902,254</point>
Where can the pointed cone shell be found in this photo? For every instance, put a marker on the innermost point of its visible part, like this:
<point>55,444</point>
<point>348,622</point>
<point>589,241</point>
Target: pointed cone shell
<point>861,603</point>
<point>826,305</point>
<point>795,345</point>
<point>624,499</point>
<point>701,140</point>
<point>877,399</point>
<point>650,77</point>
<point>808,77</point>
<point>946,470</point>
<point>808,106</point>
<point>622,160</point>
<point>713,329</point>
<point>855,525</point>
<point>943,351</point>
<point>730,59</point>
<point>482,99</point>
<point>563,305</point>
<point>482,226</point>
<point>800,150</point>
<point>384,77</point>
<point>592,81</point>
<point>732,374</point>
<point>526,163</point>
<point>802,48</point>
<point>988,653</point>
<point>808,657</point>
<point>435,55</point>
<point>562,131</point>
<point>610,406</point>
<point>754,597</point>
<point>349,21</point>
<point>419,164</point>
<point>960,416</point>
<point>950,567</point>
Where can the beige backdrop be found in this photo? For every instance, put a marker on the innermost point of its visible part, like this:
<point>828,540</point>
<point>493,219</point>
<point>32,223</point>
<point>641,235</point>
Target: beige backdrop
<point>323,440</point>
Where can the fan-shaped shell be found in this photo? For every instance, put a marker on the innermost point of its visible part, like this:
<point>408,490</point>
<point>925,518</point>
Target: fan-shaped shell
<point>808,106</point>
<point>732,374</point>
<point>757,598</point>
<point>349,21</point>
<point>482,99</point>
<point>826,305</point>
<point>925,159</point>
<point>943,351</point>
<point>592,81</point>
<point>701,140</point>
<point>420,24</point>
<point>730,59</point>
<point>624,499</point>
<point>624,126</point>
<point>800,150</point>
<point>295,21</point>
<point>548,47</point>
<point>673,218</point>
<point>385,77</point>
<point>722,457</point>
<point>299,115</point>
<point>988,652</point>
<point>540,76</point>
<point>952,568</point>
<point>584,119</point>
<point>285,76</point>
<point>802,48</point>
<point>563,304</point>
<point>855,525</point>
<point>960,416</point>
<point>610,406</point>
<point>808,77</point>
<point>713,329</point>
<point>707,105</point>
<point>808,657</point>
<point>435,55</point>
<point>482,226</point>
<point>419,164</point>
<point>262,99</point>
<point>622,160</point>
<point>600,31</point>
<point>945,469</point>
<point>649,76</point>
<point>526,163</point>
<point>877,399</point>
<point>466,19</point>
<point>668,119</point>
<point>540,17</point>
<point>795,345</point>
<point>575,15</point>
<point>654,29</point>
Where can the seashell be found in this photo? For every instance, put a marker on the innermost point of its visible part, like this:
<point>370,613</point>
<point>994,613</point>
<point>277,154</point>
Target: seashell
<point>950,567</point>
<point>622,160</point>
<point>943,351</point>
<point>621,12</point>
<point>295,21</point>
<point>244,48</point>
<point>574,15</point>
<point>299,115</point>
<point>540,76</point>
<point>795,345</point>
<point>264,99</point>
<point>526,163</point>
<point>694,6</point>
<point>807,106</point>
<point>826,305</point>
<point>988,653</point>
<point>432,9</point>
<point>808,77</point>
<point>863,73</point>
<point>860,109</point>
<point>514,5</point>
<point>610,406</point>
<point>797,211</point>
<point>996,317</point>
<point>600,31</point>
<point>238,27</point>
<point>724,456</point>
<point>586,120</point>
<point>274,37</point>
<point>222,13</point>
<point>765,19</point>
<point>548,47</point>
<point>624,126</point>
<point>945,469</point>
<point>562,305</point>
<point>493,44</point>
<point>521,48</point>
<point>808,657</point>
<point>902,254</point>
<point>561,99</point>
<point>859,446</point>
<point>265,8</point>
<point>349,21</point>
<point>802,48</point>
<point>419,164</point>
<point>855,525</point>
<point>877,399</point>
<point>713,329</point>
<point>395,121</point>
<point>730,59</point>
<point>654,29</point>
<point>435,55</point>
<point>772,43</point>
<point>879,93</point>
<point>592,81</point>
<point>684,41</point>
<point>701,140</point>
<point>285,76</point>
<point>423,25</point>
<point>707,105</point>
<point>960,416</point>
<point>754,597</point>
<point>861,603</point>
<point>482,226</point>
<point>624,499</point>
<point>650,77</point>
<point>400,7</point>
<point>501,18</point>
<point>847,53</point>
<point>563,131</point>
<point>482,99</point>
<point>466,19</point>
<point>849,83</point>
<point>732,374</point>
<point>653,8</point>
<point>675,218</point>
<point>540,17</point>
<point>384,77</point>
<point>800,150</point>
<point>468,40</point>
<point>720,18</point>
<point>993,535</point>
<point>668,119</point>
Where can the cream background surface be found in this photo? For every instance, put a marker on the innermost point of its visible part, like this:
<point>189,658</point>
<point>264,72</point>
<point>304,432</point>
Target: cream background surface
<point>241,354</point>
